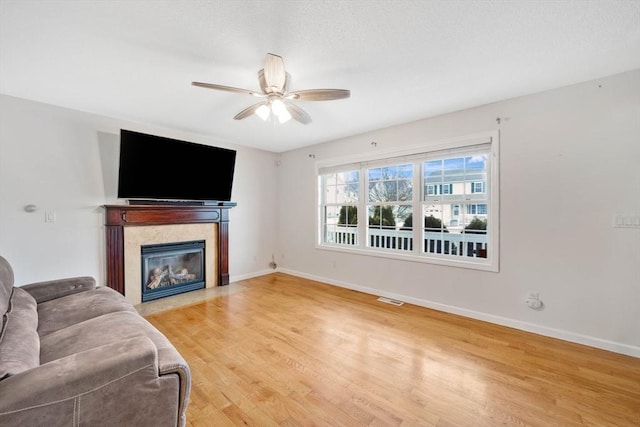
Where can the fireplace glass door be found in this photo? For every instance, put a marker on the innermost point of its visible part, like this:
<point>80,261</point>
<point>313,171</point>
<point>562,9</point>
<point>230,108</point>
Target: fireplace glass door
<point>173,268</point>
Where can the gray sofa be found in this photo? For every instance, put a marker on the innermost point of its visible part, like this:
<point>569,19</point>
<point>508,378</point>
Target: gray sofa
<point>73,354</point>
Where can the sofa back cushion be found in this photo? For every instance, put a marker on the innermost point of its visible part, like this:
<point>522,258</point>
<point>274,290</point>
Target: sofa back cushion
<point>6,285</point>
<point>19,340</point>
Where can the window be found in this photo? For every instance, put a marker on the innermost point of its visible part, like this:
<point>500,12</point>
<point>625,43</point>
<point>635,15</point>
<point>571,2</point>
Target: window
<point>390,190</point>
<point>432,190</point>
<point>435,206</point>
<point>340,210</point>
<point>477,187</point>
<point>477,209</point>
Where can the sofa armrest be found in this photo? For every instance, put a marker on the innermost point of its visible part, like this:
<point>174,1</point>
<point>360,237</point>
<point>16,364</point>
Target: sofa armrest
<point>171,362</point>
<point>52,289</point>
<point>77,375</point>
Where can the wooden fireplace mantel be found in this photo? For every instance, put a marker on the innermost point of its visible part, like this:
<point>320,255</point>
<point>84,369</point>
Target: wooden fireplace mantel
<point>120,216</point>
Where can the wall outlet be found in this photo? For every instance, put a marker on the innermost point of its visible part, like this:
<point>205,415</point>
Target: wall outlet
<point>533,301</point>
<point>626,221</point>
<point>50,216</point>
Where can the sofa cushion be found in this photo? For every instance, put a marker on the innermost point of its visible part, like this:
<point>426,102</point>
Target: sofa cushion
<point>6,287</point>
<point>19,340</point>
<point>66,311</point>
<point>99,331</point>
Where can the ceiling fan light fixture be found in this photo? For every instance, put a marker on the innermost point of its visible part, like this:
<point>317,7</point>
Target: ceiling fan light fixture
<point>284,117</point>
<point>263,112</point>
<point>280,110</point>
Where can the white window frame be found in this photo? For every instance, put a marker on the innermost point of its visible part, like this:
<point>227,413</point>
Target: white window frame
<point>398,156</point>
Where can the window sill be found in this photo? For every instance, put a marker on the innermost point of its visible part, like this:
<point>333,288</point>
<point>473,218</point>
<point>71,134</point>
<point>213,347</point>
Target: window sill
<point>480,264</point>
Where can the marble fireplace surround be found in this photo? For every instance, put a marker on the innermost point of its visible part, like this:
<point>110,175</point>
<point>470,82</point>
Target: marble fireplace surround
<point>136,237</point>
<point>128,227</point>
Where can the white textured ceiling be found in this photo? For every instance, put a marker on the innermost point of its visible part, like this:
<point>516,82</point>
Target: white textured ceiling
<point>402,60</point>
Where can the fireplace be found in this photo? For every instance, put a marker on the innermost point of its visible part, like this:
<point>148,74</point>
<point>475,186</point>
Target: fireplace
<point>172,268</point>
<point>128,227</point>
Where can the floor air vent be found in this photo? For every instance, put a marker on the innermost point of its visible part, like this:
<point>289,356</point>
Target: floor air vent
<point>390,301</point>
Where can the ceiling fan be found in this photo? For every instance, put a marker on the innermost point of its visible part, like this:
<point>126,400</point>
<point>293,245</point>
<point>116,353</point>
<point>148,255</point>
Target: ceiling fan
<point>274,85</point>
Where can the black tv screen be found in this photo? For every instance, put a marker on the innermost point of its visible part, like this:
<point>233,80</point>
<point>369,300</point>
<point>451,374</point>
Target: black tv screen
<point>158,168</point>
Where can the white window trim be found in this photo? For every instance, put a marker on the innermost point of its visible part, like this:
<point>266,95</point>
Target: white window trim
<point>438,148</point>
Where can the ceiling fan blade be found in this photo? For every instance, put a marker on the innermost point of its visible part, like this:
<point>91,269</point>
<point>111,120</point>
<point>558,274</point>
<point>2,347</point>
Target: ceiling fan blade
<point>319,94</point>
<point>275,76</point>
<point>227,88</point>
<point>249,110</point>
<point>298,113</point>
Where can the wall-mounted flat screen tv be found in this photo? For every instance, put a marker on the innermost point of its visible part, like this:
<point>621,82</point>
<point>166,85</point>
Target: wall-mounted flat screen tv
<point>165,169</point>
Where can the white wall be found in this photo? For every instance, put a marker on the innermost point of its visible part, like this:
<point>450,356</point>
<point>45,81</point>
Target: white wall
<point>65,161</point>
<point>569,162</point>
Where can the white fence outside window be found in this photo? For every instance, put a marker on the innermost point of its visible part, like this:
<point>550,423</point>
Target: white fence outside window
<point>464,245</point>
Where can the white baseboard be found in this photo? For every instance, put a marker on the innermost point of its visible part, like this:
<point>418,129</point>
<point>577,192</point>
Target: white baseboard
<point>615,347</point>
<point>250,275</point>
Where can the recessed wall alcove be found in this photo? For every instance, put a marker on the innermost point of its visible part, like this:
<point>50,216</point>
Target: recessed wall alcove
<point>128,227</point>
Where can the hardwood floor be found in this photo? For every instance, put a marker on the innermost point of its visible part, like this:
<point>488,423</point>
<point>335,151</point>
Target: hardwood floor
<point>292,352</point>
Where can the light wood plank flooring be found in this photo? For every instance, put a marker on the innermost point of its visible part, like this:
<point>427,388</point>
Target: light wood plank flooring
<point>292,352</point>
